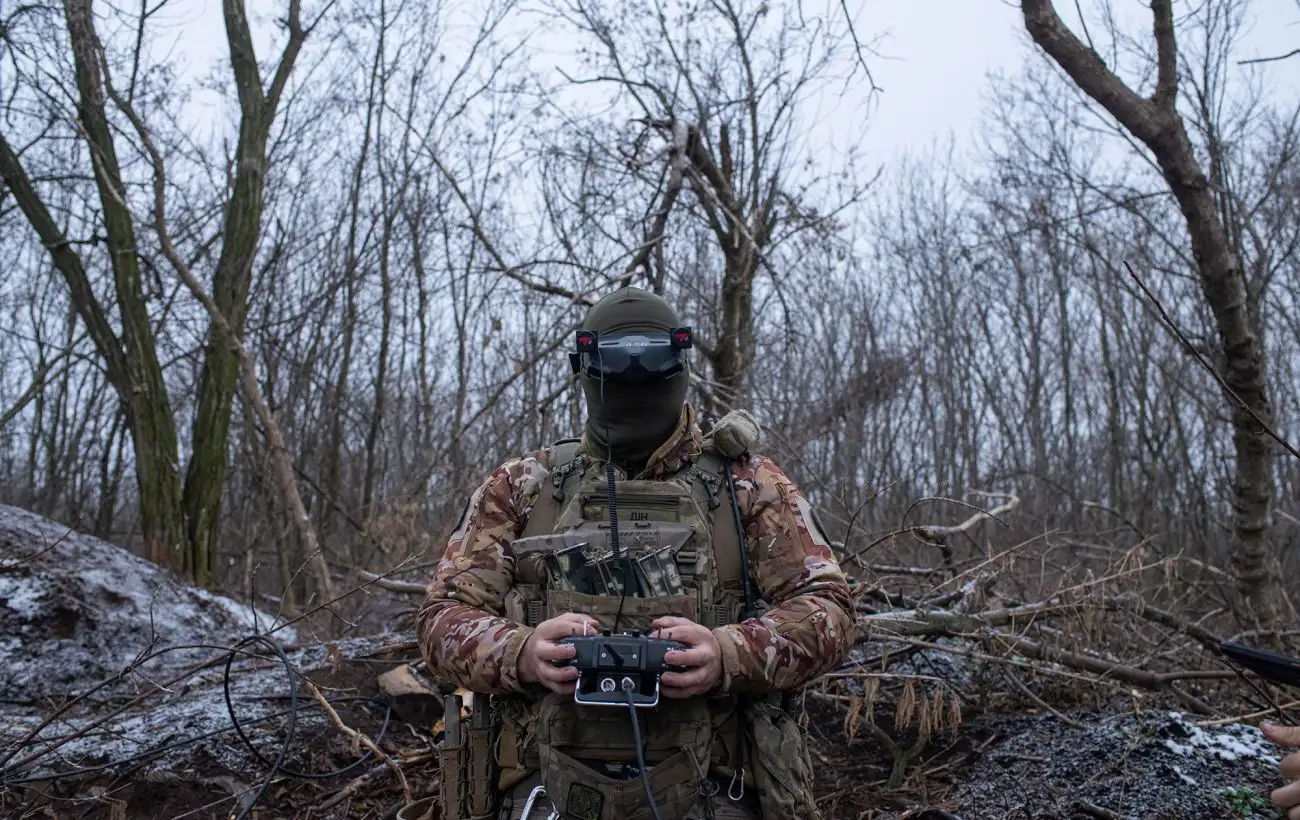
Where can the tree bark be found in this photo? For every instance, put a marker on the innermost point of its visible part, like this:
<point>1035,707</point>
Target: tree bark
<point>741,237</point>
<point>1155,121</point>
<point>206,477</point>
<point>131,362</point>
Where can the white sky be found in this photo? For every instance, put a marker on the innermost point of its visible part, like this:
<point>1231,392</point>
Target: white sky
<point>935,61</point>
<point>933,56</point>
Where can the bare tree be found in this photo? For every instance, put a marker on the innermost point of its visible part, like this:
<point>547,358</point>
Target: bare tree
<point>179,521</point>
<point>1156,121</point>
<point>259,103</point>
<point>432,229</point>
<point>710,98</point>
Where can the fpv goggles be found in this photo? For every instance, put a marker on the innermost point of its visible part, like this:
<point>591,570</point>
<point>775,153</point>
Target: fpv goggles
<point>637,357</point>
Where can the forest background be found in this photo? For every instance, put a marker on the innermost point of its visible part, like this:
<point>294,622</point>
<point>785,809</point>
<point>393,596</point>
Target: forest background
<point>282,283</point>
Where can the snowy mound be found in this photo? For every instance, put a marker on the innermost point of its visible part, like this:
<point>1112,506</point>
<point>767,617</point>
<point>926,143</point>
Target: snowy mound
<point>76,610</point>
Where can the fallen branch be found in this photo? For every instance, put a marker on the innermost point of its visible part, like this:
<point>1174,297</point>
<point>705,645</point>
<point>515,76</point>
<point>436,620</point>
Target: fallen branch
<point>359,738</point>
<point>409,587</point>
<point>1100,666</point>
<point>364,780</point>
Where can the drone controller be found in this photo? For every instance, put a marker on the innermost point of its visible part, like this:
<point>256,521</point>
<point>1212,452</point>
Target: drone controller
<point>610,665</point>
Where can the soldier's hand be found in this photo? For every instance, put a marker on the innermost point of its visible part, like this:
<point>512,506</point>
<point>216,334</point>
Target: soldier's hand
<point>540,652</point>
<point>703,657</point>
<point>1287,797</point>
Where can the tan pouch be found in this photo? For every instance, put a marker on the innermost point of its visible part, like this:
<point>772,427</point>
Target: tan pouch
<point>782,769</point>
<point>635,614</point>
<point>581,793</point>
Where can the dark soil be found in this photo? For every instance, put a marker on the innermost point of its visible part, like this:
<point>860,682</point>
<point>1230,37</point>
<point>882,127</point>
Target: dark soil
<point>1156,765</point>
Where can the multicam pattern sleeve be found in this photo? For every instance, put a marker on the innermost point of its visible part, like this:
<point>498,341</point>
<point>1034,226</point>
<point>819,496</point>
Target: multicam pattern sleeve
<point>810,628</point>
<point>463,634</point>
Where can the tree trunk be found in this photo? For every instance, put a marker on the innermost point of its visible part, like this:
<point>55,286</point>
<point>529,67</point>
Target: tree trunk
<point>131,363</point>
<point>206,478</point>
<point>742,234</point>
<point>1156,122</point>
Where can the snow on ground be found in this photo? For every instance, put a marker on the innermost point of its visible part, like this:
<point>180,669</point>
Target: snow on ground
<point>76,610</point>
<point>1232,742</point>
<point>1148,765</point>
<point>258,689</point>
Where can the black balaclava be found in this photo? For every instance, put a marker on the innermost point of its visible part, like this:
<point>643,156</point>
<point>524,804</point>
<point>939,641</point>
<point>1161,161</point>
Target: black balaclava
<point>634,418</point>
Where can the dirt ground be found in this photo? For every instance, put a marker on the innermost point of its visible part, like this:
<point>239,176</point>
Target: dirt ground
<point>999,766</point>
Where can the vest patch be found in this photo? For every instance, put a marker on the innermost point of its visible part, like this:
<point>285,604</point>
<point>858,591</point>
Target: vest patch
<point>584,803</point>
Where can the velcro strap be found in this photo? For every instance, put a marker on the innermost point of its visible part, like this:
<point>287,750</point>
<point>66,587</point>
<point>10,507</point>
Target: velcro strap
<point>713,616</point>
<point>721,616</point>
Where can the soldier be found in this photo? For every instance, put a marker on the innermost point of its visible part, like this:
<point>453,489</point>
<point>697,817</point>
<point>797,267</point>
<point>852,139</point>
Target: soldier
<point>537,557</point>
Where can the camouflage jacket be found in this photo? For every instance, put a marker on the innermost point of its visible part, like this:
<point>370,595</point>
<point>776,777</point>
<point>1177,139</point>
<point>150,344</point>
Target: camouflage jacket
<point>808,630</point>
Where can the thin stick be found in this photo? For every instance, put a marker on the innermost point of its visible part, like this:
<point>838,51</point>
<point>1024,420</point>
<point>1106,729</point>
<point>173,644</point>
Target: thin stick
<point>1250,716</point>
<point>1196,354</point>
<point>360,737</point>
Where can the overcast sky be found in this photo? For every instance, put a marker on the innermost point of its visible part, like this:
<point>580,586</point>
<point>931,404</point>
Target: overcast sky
<point>933,56</point>
<point>942,51</point>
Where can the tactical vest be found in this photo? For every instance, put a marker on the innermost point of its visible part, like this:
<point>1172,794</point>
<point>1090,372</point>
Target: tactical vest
<point>681,530</point>
<point>686,517</point>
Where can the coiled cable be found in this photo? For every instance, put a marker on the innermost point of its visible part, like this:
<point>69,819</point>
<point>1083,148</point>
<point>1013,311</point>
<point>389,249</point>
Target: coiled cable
<point>275,767</point>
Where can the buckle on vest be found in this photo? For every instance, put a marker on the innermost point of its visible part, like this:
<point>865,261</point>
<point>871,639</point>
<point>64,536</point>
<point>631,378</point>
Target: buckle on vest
<point>711,481</point>
<point>561,475</point>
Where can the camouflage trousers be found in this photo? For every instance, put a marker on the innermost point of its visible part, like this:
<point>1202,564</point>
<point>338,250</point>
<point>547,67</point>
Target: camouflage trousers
<point>716,807</point>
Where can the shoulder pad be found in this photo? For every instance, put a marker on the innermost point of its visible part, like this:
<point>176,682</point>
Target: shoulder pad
<point>711,460</point>
<point>566,465</point>
<point>564,451</point>
<point>733,434</point>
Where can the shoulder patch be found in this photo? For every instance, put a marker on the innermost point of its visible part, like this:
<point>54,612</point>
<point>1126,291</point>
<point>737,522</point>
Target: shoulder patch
<point>462,523</point>
<point>810,520</point>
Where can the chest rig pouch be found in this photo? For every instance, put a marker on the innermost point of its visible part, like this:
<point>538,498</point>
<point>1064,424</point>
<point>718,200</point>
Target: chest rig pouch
<point>679,541</point>
<point>678,554</point>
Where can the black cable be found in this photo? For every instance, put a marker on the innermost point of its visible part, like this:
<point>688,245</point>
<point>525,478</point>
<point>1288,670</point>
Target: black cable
<point>740,540</point>
<point>749,612</point>
<point>230,709</point>
<point>611,500</point>
<point>293,713</point>
<point>276,767</point>
<point>640,748</point>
